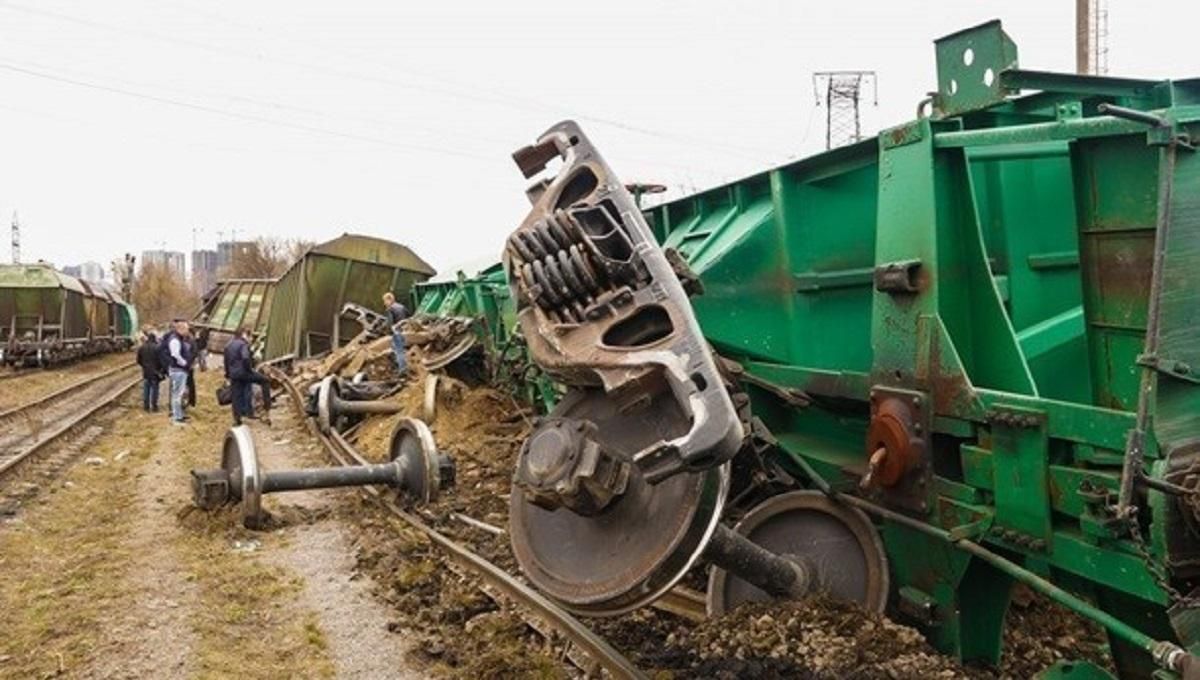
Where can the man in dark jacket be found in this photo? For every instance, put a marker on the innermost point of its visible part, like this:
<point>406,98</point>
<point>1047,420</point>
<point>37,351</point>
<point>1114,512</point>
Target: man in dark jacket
<point>152,371</point>
<point>202,349</point>
<point>396,313</point>
<point>239,370</point>
<point>194,352</point>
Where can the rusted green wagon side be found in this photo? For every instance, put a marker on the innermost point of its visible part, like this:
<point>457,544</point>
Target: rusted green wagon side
<point>305,319</point>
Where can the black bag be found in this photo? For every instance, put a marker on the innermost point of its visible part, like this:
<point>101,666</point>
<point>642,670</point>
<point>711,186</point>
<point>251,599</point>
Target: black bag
<point>225,394</point>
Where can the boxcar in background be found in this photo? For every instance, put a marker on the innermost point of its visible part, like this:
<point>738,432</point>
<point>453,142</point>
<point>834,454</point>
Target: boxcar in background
<point>48,317</point>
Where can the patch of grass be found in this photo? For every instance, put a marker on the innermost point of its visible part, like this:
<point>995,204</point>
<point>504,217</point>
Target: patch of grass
<point>63,566</point>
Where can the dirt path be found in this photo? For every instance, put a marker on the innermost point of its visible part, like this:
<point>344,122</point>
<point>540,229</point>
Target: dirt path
<point>161,638</point>
<point>320,550</point>
<point>109,573</point>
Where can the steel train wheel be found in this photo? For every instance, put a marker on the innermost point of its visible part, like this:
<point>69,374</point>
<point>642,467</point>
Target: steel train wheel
<point>838,542</point>
<point>413,446</point>
<point>326,393</point>
<point>240,459</point>
<point>638,548</point>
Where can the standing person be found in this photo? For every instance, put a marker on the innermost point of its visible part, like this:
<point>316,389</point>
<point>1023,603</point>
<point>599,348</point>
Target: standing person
<point>176,354</point>
<point>152,370</point>
<point>396,313</point>
<point>239,370</point>
<point>193,352</point>
<point>202,349</point>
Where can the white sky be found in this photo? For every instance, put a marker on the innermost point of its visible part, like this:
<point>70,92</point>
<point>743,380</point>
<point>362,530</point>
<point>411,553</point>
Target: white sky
<point>306,119</point>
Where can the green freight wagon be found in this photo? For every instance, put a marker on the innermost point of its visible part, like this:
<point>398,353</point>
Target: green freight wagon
<point>970,351</point>
<point>308,298</point>
<point>48,317</point>
<point>233,303</point>
<point>983,327</point>
<point>485,297</point>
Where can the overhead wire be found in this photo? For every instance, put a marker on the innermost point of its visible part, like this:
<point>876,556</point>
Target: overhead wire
<point>244,116</point>
<point>30,68</point>
<point>470,95</point>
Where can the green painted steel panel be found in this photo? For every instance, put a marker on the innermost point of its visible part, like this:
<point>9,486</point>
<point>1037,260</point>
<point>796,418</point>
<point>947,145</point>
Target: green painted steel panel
<point>309,296</point>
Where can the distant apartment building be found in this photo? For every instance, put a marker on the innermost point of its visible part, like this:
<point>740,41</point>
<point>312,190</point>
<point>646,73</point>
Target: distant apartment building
<point>88,271</point>
<point>173,260</point>
<point>204,270</point>
<point>227,251</point>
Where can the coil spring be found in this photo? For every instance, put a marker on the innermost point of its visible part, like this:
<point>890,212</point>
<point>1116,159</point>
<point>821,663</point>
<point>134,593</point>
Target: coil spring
<point>557,268</point>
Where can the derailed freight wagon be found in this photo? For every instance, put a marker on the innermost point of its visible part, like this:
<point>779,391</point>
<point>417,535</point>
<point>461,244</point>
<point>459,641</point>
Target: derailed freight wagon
<point>48,317</point>
<point>305,311</point>
<point>233,303</point>
<point>958,357</point>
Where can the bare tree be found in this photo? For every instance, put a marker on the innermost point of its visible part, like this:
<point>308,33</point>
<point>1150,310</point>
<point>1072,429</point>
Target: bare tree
<point>266,257</point>
<point>161,296</point>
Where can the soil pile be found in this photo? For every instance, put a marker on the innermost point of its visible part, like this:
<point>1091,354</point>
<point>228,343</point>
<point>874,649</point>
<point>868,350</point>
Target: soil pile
<point>464,633</point>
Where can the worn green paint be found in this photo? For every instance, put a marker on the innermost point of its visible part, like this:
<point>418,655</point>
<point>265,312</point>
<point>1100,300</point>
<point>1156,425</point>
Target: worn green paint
<point>237,302</point>
<point>487,298</point>
<point>39,301</point>
<point>1033,219</point>
<point>304,317</point>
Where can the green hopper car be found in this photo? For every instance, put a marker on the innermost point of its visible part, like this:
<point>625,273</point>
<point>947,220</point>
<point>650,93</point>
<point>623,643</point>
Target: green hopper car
<point>970,348</point>
<point>234,303</point>
<point>48,317</point>
<point>305,311</point>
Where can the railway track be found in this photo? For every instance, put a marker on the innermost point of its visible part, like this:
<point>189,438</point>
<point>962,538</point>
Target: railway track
<point>29,428</point>
<point>493,577</point>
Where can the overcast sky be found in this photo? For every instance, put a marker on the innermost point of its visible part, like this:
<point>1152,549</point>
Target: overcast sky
<point>127,124</point>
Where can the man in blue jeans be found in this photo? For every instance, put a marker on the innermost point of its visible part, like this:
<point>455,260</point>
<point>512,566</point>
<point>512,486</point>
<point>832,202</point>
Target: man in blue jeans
<point>178,359</point>
<point>396,313</point>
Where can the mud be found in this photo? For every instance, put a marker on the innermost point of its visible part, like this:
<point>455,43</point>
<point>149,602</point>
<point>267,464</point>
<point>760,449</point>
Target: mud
<point>461,632</point>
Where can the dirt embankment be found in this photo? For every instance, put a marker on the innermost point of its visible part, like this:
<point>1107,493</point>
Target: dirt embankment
<point>816,638</point>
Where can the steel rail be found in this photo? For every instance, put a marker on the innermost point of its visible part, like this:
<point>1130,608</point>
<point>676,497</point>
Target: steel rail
<point>6,465</point>
<point>572,628</point>
<point>63,391</point>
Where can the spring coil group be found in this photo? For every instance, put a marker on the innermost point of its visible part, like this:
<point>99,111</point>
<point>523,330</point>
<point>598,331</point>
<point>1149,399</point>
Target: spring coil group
<point>556,268</point>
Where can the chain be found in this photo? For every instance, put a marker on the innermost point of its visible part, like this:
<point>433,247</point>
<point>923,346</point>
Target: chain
<point>1157,571</point>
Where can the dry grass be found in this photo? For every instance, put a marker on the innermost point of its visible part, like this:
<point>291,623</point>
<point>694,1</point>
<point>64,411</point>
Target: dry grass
<point>64,565</point>
<point>34,383</point>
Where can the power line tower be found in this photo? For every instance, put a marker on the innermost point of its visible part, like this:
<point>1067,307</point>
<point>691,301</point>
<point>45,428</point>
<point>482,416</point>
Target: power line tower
<point>841,92</point>
<point>16,239</point>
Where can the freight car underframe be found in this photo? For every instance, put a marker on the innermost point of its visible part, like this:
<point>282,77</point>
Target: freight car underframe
<point>51,350</point>
<point>974,481</point>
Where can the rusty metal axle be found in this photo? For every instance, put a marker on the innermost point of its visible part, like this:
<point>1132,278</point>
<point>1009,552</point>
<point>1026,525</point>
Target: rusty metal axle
<point>331,406</point>
<point>416,470</point>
